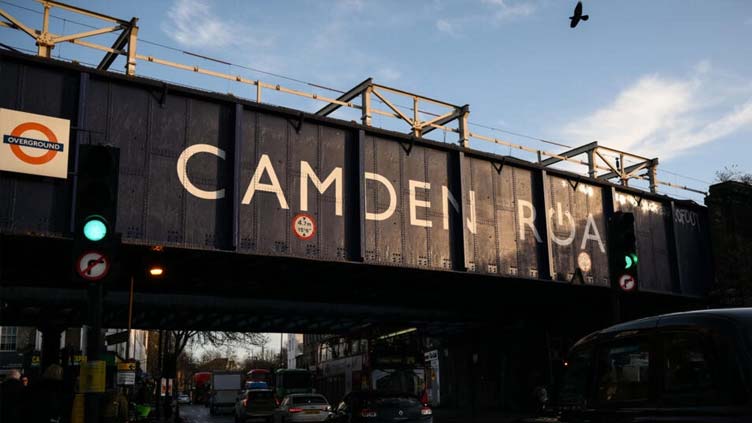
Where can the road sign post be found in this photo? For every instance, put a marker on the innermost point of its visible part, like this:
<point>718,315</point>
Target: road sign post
<point>622,260</point>
<point>94,346</point>
<point>95,243</point>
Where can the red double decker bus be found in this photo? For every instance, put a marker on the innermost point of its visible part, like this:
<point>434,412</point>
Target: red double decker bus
<point>201,387</point>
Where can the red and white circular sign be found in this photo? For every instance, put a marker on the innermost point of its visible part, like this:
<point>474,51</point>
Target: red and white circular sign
<point>627,282</point>
<point>93,265</point>
<point>304,226</point>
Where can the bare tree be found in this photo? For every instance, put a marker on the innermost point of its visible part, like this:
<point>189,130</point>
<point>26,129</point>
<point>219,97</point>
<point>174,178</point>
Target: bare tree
<point>177,340</point>
<point>732,173</point>
<point>181,338</point>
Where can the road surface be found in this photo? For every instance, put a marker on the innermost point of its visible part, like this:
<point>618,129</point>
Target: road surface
<point>200,414</point>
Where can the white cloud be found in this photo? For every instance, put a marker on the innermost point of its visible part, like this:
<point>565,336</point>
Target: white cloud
<point>193,23</point>
<point>343,16</point>
<point>664,117</point>
<point>508,9</point>
<point>739,118</point>
<point>387,75</point>
<point>356,5</point>
<point>703,67</point>
<point>500,11</point>
<point>446,27</point>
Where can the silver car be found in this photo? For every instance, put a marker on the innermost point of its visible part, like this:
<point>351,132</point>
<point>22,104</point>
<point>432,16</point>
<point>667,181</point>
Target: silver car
<point>184,399</point>
<point>302,408</point>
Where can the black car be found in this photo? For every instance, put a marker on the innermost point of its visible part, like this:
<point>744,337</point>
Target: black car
<point>256,405</point>
<point>683,367</point>
<point>374,406</point>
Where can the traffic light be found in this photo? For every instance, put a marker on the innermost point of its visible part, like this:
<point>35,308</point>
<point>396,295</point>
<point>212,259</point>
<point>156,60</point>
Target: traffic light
<point>95,242</point>
<point>622,251</point>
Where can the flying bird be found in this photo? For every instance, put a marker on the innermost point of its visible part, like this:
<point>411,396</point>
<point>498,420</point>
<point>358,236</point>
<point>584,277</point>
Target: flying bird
<point>578,16</point>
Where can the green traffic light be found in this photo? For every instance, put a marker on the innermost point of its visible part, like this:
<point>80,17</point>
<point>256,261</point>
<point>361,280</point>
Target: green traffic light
<point>95,229</point>
<point>630,260</point>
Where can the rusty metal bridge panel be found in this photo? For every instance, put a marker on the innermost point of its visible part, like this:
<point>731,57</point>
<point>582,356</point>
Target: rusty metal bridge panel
<point>203,171</point>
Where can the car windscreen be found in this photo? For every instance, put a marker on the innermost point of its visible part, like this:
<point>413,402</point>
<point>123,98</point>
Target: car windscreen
<point>296,380</point>
<point>312,399</point>
<point>259,395</point>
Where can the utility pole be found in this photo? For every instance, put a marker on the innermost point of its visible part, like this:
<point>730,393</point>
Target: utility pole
<point>130,322</point>
<point>160,363</point>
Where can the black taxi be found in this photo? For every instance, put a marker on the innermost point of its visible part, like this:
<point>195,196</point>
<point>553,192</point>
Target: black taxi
<point>683,367</point>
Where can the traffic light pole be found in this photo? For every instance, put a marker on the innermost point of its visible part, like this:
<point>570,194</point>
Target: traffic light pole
<point>622,260</point>
<point>130,321</point>
<point>616,305</point>
<point>94,343</point>
<point>95,250</point>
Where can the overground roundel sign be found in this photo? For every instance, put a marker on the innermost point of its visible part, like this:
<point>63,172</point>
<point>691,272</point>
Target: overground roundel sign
<point>34,144</point>
<point>93,265</point>
<point>51,148</point>
<point>304,226</point>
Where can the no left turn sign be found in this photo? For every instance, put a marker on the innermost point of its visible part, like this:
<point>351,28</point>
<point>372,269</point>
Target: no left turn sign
<point>93,265</point>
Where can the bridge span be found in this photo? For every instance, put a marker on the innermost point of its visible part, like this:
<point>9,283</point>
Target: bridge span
<point>242,194</point>
<point>272,219</point>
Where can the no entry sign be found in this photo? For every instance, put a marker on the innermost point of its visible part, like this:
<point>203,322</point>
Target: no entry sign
<point>93,265</point>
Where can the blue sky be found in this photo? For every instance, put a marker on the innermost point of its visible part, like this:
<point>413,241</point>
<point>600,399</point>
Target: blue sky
<point>668,79</point>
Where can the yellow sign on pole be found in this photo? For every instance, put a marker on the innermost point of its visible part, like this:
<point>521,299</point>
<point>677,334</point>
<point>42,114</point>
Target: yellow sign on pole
<point>126,366</point>
<point>92,377</point>
<point>78,359</point>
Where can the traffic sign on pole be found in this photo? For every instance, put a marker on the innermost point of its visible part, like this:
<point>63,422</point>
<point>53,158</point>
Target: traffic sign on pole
<point>627,282</point>
<point>92,265</point>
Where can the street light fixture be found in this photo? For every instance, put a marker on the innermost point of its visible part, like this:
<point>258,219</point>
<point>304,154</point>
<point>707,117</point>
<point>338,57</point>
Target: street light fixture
<point>156,271</point>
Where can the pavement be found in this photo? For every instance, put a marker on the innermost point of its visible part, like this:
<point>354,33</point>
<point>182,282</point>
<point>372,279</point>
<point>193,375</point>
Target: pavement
<point>200,414</point>
<point>452,415</point>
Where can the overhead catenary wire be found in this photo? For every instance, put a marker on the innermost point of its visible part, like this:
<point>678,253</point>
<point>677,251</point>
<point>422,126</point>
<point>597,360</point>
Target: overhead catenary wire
<point>530,137</point>
<point>16,49</point>
<point>178,50</point>
<point>276,75</point>
<point>11,48</point>
<point>300,81</point>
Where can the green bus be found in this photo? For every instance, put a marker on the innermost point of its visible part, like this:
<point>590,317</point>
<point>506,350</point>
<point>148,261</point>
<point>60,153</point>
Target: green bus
<point>292,381</point>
